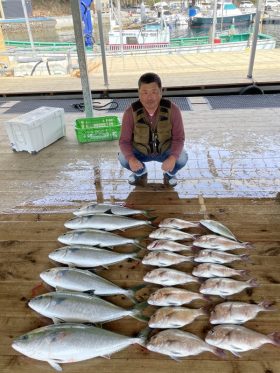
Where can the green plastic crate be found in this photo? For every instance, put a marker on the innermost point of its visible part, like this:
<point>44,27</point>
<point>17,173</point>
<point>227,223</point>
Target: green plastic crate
<point>98,129</point>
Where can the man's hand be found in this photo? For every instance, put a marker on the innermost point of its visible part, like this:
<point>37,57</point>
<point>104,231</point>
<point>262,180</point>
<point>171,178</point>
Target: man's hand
<point>135,165</point>
<point>169,164</point>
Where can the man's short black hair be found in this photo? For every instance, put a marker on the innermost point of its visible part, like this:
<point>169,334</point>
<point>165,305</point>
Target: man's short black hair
<point>148,78</point>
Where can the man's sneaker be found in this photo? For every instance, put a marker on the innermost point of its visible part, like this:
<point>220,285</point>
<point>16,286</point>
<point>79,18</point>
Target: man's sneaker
<point>169,180</point>
<point>133,179</point>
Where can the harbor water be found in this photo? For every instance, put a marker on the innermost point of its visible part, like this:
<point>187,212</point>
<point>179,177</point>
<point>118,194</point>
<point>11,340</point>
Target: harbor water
<point>54,34</point>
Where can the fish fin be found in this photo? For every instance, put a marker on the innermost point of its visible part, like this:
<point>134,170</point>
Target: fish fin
<point>219,352</point>
<point>275,338</point>
<point>57,288</point>
<point>106,357</point>
<point>137,309</point>
<point>175,358</point>
<point>235,353</point>
<point>55,365</point>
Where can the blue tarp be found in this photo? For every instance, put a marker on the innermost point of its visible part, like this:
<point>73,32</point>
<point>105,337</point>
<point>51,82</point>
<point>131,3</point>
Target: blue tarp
<point>86,18</point>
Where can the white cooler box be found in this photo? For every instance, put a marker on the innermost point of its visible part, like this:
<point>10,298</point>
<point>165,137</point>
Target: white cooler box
<point>37,129</point>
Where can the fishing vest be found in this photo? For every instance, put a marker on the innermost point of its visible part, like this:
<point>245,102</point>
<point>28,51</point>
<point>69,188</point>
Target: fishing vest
<point>147,140</point>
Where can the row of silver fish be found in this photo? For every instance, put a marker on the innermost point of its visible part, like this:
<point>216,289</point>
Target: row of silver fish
<point>212,256</point>
<point>73,341</point>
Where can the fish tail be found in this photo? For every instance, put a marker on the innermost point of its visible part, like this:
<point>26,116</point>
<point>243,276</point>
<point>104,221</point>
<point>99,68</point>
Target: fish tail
<point>195,249</point>
<point>147,212</point>
<point>205,310</point>
<point>275,338</point>
<point>138,240</point>
<point>243,272</point>
<point>137,311</point>
<point>267,305</point>
<point>144,335</point>
<point>245,258</point>
<point>253,283</point>
<point>248,245</point>
<point>151,219</point>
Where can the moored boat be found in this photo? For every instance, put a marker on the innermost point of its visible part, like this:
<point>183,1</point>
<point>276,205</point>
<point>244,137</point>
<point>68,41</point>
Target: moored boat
<point>227,13</point>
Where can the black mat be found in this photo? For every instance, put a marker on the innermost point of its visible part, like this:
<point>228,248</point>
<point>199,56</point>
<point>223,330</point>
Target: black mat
<point>117,105</point>
<point>244,101</point>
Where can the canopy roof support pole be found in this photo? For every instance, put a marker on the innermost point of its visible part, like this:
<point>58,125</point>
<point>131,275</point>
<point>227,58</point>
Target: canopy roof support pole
<point>102,43</point>
<point>255,39</point>
<point>78,30</point>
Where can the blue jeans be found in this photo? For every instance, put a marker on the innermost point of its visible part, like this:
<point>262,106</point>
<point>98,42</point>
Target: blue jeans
<point>180,162</point>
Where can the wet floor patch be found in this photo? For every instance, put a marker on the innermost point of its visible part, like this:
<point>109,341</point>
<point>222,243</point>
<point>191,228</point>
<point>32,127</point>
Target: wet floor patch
<point>244,101</point>
<point>111,106</point>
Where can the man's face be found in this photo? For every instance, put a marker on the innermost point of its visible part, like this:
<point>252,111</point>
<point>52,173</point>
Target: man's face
<point>150,96</point>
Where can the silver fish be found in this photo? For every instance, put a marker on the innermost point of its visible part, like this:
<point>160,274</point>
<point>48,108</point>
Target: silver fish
<point>168,277</point>
<point>165,258</point>
<point>99,208</point>
<point>94,237</point>
<point>237,312</point>
<point>177,343</point>
<point>68,343</point>
<point>69,306</point>
<point>171,234</point>
<point>216,270</point>
<point>105,222</point>
<point>237,338</point>
<point>82,280</point>
<point>89,256</point>
<point>218,228</point>
<point>214,242</point>
<point>170,296</point>
<point>217,256</point>
<point>168,246</point>
<point>174,317</point>
<point>177,223</point>
<point>225,286</point>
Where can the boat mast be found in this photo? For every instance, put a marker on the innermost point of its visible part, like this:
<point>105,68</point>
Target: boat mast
<point>28,25</point>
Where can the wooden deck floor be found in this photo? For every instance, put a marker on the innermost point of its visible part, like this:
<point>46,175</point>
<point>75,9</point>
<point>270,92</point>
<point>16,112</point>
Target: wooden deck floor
<point>179,71</point>
<point>232,175</point>
<point>26,239</point>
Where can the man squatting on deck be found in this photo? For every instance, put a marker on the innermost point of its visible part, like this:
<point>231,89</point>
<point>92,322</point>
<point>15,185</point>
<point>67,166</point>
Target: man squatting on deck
<point>152,130</point>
